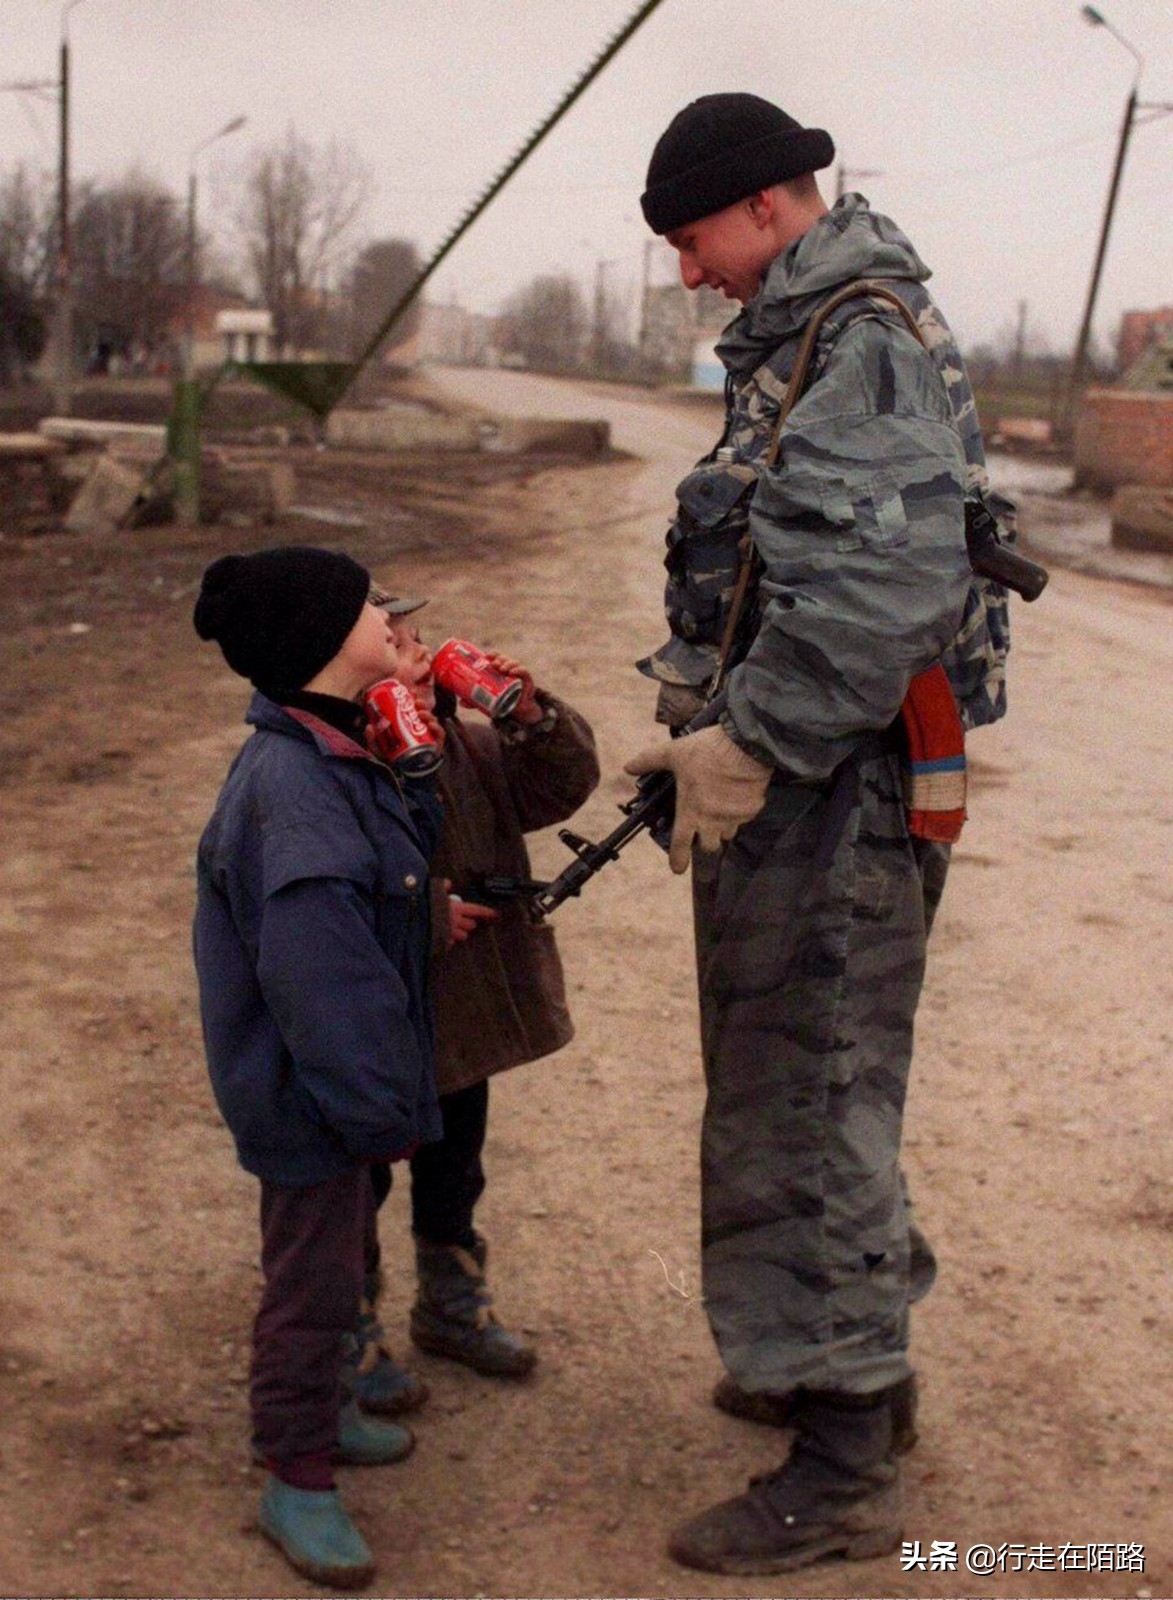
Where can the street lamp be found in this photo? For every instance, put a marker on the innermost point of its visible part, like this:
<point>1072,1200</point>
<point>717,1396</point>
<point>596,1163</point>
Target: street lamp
<point>1096,19</point>
<point>192,241</point>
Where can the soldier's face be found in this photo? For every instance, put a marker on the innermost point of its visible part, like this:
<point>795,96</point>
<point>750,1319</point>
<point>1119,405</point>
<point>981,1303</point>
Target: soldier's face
<point>729,251</point>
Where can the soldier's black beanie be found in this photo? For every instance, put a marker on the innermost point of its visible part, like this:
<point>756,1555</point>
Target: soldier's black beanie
<point>280,615</point>
<point>720,149</point>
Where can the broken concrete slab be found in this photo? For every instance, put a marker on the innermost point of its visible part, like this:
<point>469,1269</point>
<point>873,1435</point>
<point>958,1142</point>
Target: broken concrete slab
<point>85,432</point>
<point>29,447</point>
<point>244,491</point>
<point>106,497</point>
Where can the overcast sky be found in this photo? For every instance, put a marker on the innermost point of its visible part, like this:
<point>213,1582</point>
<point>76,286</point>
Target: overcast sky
<point>988,127</point>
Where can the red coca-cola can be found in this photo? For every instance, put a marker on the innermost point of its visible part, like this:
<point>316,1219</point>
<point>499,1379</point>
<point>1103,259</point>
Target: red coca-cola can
<point>400,736</point>
<point>468,673</point>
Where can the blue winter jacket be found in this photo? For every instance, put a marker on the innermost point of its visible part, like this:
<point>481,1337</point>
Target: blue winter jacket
<point>311,938</point>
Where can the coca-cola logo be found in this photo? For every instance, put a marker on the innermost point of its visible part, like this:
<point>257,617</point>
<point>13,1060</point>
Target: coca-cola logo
<point>416,725</point>
<point>392,701</point>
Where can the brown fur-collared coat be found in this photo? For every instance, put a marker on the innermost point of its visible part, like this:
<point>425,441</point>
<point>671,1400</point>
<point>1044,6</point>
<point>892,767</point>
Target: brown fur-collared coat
<point>500,998</point>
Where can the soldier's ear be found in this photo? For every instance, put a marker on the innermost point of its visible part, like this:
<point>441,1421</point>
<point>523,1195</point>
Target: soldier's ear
<point>760,207</point>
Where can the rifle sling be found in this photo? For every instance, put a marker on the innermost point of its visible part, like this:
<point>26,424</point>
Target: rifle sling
<point>798,376</point>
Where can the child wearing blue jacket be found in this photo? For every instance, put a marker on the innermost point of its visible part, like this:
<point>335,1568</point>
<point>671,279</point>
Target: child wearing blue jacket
<point>311,945</point>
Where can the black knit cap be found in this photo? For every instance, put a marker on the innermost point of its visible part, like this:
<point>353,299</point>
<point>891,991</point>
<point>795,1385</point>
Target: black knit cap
<point>280,615</point>
<point>720,149</point>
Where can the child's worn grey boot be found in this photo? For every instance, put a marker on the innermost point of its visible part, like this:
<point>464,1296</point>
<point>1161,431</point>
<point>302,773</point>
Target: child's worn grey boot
<point>368,1442</point>
<point>313,1530</point>
<point>452,1316</point>
<point>778,1410</point>
<point>837,1494</point>
<point>379,1383</point>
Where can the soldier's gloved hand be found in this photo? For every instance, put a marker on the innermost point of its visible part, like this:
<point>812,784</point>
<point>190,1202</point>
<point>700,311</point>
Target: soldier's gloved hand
<point>718,787</point>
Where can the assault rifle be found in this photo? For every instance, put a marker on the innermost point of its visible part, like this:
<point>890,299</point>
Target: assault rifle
<point>653,806</point>
<point>990,558</point>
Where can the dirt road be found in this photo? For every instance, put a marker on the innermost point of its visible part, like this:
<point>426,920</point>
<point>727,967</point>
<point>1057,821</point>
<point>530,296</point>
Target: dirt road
<point>128,1253</point>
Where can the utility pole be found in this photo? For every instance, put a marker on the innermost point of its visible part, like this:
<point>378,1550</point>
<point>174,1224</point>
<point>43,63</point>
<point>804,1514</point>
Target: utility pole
<point>645,280</point>
<point>63,386</point>
<point>1096,19</point>
<point>1079,360</point>
<point>1020,339</point>
<point>599,339</point>
<point>842,174</point>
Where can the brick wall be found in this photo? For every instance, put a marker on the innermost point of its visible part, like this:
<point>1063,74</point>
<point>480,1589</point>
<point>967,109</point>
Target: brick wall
<point>1123,437</point>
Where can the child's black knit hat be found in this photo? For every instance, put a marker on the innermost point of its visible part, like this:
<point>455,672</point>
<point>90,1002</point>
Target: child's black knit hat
<point>281,615</point>
<point>720,149</point>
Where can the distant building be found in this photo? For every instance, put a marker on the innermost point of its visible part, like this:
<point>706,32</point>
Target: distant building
<point>676,323</point>
<point>708,370</point>
<point>1153,370</point>
<point>451,336</point>
<point>245,335</point>
<point>1140,331</point>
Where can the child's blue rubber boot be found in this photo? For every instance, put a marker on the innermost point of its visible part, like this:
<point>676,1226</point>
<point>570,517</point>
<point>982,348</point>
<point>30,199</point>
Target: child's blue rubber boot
<point>365,1442</point>
<point>313,1531</point>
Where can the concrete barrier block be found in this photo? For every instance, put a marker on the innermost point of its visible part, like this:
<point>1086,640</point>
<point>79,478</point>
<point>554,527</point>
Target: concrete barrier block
<point>399,427</point>
<point>1142,519</point>
<point>563,436</point>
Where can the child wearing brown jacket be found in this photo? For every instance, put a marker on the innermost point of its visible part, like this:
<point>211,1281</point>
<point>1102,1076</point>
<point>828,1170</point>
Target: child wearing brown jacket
<point>499,999</point>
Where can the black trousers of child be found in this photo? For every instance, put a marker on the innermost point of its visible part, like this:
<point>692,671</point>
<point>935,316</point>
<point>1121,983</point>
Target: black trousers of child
<point>447,1177</point>
<point>312,1258</point>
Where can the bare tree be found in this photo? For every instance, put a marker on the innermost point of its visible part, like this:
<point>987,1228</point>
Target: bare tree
<point>299,207</point>
<point>130,258</point>
<point>545,323</point>
<point>385,268</point>
<point>27,223</point>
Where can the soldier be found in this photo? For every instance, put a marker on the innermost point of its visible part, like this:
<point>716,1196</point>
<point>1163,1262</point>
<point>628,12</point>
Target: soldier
<point>812,900</point>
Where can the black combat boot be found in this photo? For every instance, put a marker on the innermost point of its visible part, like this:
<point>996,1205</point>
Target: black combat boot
<point>837,1494</point>
<point>778,1410</point>
<point>452,1316</point>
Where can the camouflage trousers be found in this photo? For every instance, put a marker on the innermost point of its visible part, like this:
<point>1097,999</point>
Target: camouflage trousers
<point>811,928</point>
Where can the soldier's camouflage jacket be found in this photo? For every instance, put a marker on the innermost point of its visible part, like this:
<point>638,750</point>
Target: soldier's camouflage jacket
<point>859,525</point>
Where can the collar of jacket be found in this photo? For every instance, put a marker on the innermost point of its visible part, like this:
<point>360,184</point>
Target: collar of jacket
<point>298,724</point>
<point>851,241</point>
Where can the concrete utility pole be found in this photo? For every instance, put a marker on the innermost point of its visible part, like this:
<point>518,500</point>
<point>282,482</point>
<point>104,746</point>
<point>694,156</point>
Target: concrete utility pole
<point>842,174</point>
<point>1020,339</point>
<point>1096,19</point>
<point>644,288</point>
<point>63,382</point>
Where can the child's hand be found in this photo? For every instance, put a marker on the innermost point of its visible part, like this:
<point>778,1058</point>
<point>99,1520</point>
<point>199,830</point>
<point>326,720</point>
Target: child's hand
<point>464,917</point>
<point>527,710</point>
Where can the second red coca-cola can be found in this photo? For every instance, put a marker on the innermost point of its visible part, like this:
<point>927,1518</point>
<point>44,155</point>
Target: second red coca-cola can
<point>399,735</point>
<point>468,673</point>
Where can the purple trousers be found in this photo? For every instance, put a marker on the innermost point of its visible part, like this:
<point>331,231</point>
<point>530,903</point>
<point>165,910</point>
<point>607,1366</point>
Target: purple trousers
<point>312,1243</point>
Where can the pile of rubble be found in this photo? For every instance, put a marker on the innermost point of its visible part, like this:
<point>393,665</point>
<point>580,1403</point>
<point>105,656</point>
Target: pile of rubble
<point>97,477</point>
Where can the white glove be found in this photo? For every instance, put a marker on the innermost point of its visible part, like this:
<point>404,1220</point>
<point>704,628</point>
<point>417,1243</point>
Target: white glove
<point>718,787</point>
